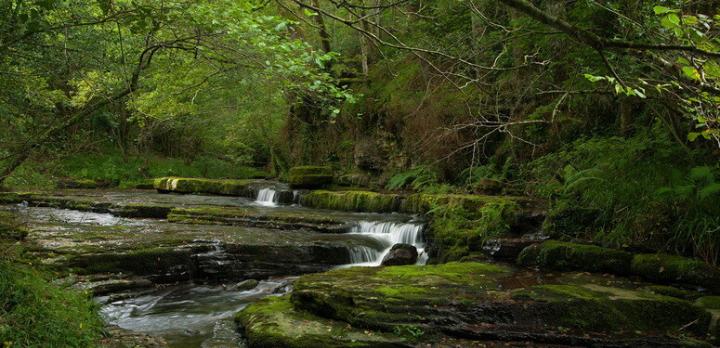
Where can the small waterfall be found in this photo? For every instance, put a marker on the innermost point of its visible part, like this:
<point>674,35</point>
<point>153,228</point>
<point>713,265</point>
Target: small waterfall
<point>267,197</point>
<point>362,254</point>
<point>213,261</point>
<point>389,233</point>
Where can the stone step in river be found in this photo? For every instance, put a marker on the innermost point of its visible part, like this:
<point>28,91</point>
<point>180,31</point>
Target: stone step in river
<point>175,277</point>
<point>192,262</point>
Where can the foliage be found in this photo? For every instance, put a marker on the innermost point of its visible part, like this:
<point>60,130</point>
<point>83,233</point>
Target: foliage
<point>37,313</point>
<point>114,169</point>
<point>34,312</point>
<point>417,178</point>
<point>646,190</point>
<point>458,231</point>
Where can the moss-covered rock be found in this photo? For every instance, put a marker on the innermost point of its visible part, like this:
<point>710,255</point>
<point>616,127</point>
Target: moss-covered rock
<point>672,291</point>
<point>601,308</point>
<point>712,305</point>
<point>274,322</point>
<point>365,201</point>
<point>289,220</point>
<point>566,256</point>
<point>472,300</point>
<point>676,269</point>
<point>567,220</point>
<point>310,176</point>
<point>11,227</point>
<point>420,203</point>
<point>85,184</point>
<point>209,186</point>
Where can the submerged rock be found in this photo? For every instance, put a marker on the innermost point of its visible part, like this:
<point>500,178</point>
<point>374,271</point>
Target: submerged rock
<point>310,176</point>
<point>400,254</point>
<point>247,284</point>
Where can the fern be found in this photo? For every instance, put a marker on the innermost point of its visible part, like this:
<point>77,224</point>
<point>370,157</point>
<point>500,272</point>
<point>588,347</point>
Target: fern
<point>416,178</point>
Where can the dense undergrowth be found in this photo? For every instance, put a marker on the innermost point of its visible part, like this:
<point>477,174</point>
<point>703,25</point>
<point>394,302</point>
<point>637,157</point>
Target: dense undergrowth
<point>645,190</point>
<point>113,169</point>
<point>34,311</point>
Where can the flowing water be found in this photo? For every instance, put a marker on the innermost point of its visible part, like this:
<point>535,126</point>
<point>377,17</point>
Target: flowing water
<point>190,314</point>
<point>388,233</point>
<point>267,197</point>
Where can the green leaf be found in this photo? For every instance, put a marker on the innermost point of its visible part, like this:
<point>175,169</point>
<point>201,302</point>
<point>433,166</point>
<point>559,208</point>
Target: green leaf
<point>709,190</point>
<point>692,136</point>
<point>691,72</point>
<point>593,78</point>
<point>659,10</point>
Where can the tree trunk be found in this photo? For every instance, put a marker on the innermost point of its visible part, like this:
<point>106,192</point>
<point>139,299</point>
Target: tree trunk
<point>324,36</point>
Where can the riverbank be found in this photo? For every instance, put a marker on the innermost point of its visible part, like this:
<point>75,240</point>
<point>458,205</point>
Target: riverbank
<point>153,259</point>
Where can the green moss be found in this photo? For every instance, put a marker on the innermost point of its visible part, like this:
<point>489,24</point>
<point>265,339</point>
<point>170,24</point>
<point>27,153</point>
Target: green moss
<point>11,228</point>
<point>461,224</point>
<point>210,186</point>
<point>673,292</point>
<point>365,201</point>
<point>441,297</point>
<point>616,310</point>
<point>274,322</point>
<point>36,313</point>
<point>310,176</point>
<point>253,217</point>
<point>566,256</point>
<point>452,271</point>
<point>676,269</point>
<point>709,302</point>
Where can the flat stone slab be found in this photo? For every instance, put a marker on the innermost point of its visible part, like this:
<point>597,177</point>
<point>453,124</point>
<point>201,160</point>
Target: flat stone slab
<point>493,302</point>
<point>89,243</point>
<point>197,209</point>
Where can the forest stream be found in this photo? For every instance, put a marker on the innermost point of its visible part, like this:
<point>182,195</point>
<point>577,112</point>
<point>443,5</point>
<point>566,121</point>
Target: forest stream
<point>190,302</point>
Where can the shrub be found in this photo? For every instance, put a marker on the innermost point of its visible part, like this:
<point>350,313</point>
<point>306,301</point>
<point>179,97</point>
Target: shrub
<point>645,190</point>
<point>417,178</point>
<point>36,313</point>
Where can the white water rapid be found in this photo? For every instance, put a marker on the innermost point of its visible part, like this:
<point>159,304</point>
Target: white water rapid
<point>267,197</point>
<point>389,234</point>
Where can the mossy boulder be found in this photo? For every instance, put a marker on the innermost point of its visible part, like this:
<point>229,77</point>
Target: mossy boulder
<point>365,201</point>
<point>477,300</point>
<point>665,268</point>
<point>210,186</point>
<point>274,322</point>
<point>600,308</point>
<point>419,203</point>
<point>310,176</point>
<point>564,256</point>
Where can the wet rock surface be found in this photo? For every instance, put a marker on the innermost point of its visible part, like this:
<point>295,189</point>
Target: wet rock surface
<point>484,302</point>
<point>184,278</point>
<point>91,243</point>
<point>400,254</point>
